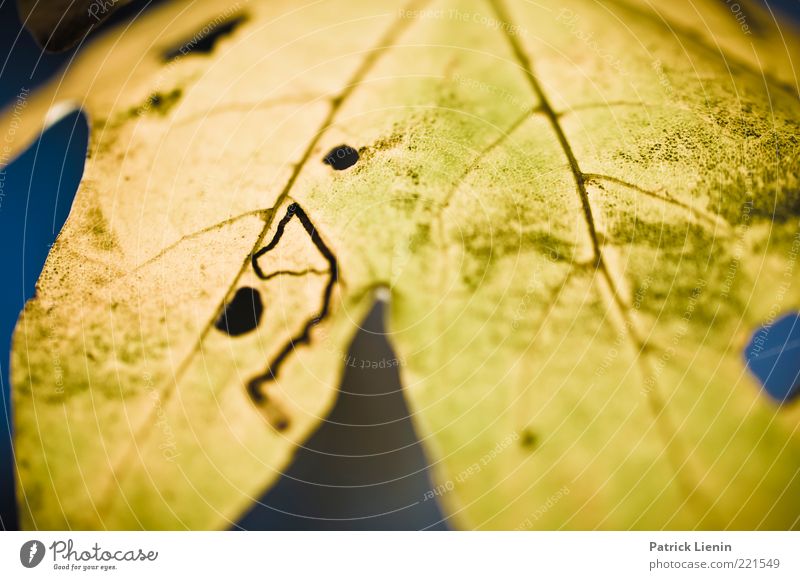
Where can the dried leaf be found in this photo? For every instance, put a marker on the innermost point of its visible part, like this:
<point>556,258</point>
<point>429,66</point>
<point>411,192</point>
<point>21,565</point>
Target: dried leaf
<point>582,213</point>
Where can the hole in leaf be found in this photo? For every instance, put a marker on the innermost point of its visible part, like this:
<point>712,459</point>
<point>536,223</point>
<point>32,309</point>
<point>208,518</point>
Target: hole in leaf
<point>773,356</point>
<point>364,468</point>
<point>242,314</point>
<point>341,157</point>
<point>36,194</point>
<point>206,38</point>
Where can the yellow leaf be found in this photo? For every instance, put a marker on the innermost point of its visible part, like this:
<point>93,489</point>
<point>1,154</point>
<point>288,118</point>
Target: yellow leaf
<point>582,212</point>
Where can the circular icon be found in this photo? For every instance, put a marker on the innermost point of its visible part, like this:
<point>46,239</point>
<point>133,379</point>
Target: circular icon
<point>31,553</point>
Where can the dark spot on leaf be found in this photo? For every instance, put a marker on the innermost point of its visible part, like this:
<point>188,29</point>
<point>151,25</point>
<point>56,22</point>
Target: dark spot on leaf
<point>773,356</point>
<point>204,40</point>
<point>160,103</point>
<point>341,157</point>
<point>528,439</point>
<point>364,459</point>
<point>242,314</point>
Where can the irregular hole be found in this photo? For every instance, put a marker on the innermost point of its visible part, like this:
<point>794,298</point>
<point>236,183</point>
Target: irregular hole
<point>773,356</point>
<point>364,468</point>
<point>242,314</point>
<point>36,194</point>
<point>341,157</point>
<point>206,38</point>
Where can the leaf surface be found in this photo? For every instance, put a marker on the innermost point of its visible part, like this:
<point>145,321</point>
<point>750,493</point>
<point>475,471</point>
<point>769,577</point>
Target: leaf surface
<point>583,212</point>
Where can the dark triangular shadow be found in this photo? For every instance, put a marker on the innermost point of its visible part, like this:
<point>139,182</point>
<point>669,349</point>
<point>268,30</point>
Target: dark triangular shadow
<point>364,468</point>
